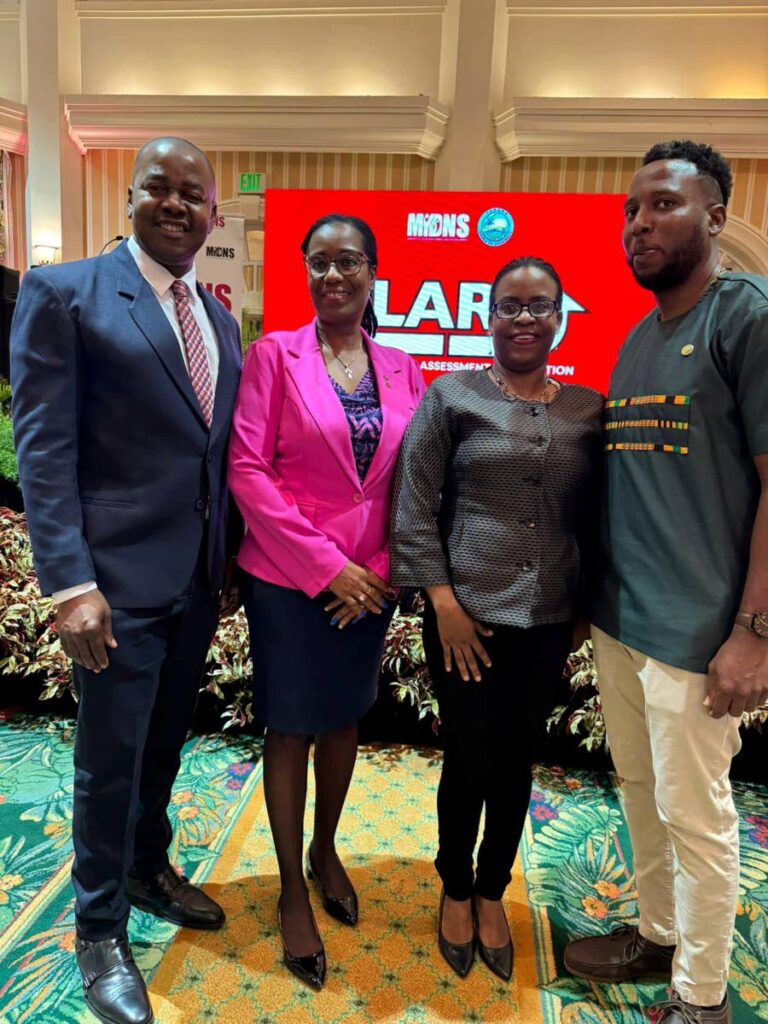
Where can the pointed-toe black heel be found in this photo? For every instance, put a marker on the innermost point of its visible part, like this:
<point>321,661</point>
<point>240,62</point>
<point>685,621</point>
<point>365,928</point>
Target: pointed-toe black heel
<point>309,969</point>
<point>498,959</point>
<point>343,908</point>
<point>458,955</point>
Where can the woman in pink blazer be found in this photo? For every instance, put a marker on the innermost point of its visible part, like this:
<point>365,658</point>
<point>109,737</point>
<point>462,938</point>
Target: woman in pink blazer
<point>317,429</point>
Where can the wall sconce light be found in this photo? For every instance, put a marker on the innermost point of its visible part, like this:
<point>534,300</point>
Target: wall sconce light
<point>44,255</point>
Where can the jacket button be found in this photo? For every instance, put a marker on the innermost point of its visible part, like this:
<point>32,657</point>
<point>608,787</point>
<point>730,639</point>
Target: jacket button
<point>210,456</point>
<point>357,498</point>
<point>200,504</point>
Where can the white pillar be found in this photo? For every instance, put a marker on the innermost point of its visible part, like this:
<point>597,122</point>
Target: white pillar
<point>50,44</point>
<point>473,64</point>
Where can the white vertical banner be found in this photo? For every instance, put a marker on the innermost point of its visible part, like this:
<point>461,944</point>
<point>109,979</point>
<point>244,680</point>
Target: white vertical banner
<point>220,262</point>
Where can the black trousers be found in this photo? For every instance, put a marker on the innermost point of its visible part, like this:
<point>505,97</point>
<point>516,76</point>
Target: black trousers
<point>132,721</point>
<point>492,731</point>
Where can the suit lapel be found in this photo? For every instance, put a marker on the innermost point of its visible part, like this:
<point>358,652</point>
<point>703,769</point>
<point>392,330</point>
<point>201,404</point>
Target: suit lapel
<point>390,383</point>
<point>320,400</point>
<point>149,317</point>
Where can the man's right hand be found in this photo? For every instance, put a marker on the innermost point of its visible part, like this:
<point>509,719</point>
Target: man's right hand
<point>84,625</point>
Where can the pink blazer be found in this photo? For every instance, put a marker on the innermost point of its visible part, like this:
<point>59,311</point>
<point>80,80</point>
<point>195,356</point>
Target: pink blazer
<point>291,467</point>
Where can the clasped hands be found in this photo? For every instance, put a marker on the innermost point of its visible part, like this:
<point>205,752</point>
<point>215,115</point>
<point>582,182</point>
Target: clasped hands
<point>358,590</point>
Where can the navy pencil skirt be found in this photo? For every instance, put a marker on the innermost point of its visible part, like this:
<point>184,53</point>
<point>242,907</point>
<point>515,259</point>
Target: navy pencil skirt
<point>308,676</point>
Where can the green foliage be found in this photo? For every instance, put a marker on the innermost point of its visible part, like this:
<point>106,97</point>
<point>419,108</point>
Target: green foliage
<point>9,468</point>
<point>30,647</point>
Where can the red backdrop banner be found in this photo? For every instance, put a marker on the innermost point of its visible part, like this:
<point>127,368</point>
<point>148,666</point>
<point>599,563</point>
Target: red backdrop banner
<point>439,253</point>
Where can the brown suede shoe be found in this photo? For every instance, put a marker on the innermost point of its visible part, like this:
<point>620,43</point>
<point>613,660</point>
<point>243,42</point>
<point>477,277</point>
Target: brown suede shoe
<point>676,1011</point>
<point>623,955</point>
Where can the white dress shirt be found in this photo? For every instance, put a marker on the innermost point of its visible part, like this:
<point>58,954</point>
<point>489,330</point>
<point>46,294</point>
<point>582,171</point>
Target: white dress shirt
<point>160,280</point>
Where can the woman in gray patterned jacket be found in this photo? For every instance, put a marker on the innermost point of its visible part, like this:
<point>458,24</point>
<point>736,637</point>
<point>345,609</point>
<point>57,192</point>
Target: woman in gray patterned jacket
<point>493,515</point>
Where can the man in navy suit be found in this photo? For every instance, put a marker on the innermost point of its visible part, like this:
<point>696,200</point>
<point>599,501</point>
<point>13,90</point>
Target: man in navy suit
<point>124,372</point>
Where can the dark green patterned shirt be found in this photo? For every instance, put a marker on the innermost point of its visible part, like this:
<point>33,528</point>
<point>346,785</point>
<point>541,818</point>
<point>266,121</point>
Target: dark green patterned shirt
<point>686,414</point>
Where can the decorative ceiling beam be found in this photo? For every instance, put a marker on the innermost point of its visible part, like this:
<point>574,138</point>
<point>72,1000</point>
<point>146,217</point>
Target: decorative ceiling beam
<point>251,8</point>
<point>533,126</point>
<point>633,9</point>
<point>13,127</point>
<point>310,124</point>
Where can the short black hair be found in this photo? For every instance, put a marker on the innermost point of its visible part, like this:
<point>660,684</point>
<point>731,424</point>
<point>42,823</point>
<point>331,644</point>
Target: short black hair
<point>710,164</point>
<point>527,261</point>
<point>370,323</point>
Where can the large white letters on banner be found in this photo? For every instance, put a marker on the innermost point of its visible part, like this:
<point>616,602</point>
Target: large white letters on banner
<point>220,263</point>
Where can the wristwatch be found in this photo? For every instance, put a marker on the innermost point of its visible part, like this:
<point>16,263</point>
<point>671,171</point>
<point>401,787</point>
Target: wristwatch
<point>755,622</point>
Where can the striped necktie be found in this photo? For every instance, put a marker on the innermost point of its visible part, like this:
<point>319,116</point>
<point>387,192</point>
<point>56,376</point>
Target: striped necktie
<point>197,360</point>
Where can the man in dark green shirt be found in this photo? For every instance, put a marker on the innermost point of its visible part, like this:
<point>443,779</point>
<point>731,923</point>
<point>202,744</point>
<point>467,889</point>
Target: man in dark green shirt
<point>681,615</point>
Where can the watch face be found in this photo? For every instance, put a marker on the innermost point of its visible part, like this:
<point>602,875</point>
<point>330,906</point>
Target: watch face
<point>760,624</point>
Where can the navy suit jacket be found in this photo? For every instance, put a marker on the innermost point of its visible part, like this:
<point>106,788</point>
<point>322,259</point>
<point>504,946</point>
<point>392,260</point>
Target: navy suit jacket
<point>117,466</point>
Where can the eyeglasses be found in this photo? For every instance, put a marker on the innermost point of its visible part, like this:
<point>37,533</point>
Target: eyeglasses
<point>348,264</point>
<point>539,309</point>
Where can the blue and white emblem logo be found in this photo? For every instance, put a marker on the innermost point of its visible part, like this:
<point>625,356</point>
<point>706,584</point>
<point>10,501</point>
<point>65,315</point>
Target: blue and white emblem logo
<point>495,226</point>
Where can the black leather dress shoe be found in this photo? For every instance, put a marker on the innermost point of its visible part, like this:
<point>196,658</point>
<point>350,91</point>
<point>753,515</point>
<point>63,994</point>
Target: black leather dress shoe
<point>113,987</point>
<point>498,959</point>
<point>309,969</point>
<point>343,908</point>
<point>458,955</point>
<point>174,898</point>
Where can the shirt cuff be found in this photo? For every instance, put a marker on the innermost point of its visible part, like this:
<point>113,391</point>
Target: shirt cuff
<point>66,595</point>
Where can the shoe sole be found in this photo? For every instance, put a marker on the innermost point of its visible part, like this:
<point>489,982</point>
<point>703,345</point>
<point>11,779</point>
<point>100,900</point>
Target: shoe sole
<point>111,1020</point>
<point>150,908</point>
<point>614,980</point>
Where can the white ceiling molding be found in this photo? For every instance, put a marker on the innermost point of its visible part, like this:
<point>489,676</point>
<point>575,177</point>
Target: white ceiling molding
<point>633,9</point>
<point>309,124</point>
<point>533,126</point>
<point>13,127</point>
<point>251,8</point>
<point>748,245</point>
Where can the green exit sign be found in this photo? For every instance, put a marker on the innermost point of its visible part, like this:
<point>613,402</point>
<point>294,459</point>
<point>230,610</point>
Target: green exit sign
<point>251,181</point>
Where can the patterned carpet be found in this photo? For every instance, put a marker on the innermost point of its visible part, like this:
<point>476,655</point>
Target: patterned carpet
<point>574,877</point>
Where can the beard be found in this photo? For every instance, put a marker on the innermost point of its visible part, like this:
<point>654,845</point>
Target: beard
<point>679,266</point>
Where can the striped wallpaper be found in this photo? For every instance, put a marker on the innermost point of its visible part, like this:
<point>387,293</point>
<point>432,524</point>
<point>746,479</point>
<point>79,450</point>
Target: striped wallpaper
<point>15,213</point>
<point>613,174</point>
<point>108,174</point>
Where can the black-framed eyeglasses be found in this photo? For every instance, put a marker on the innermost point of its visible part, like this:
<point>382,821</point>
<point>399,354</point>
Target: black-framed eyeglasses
<point>539,309</point>
<point>348,263</point>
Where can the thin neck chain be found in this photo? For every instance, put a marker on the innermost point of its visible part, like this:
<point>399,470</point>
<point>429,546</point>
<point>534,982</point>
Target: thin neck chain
<point>509,392</point>
<point>716,275</point>
<point>346,367</point>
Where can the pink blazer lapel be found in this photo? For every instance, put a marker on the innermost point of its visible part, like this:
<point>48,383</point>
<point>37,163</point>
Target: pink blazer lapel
<point>309,374</point>
<point>394,397</point>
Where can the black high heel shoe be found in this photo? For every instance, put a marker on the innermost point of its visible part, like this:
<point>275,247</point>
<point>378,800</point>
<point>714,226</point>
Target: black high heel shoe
<point>309,969</point>
<point>458,955</point>
<point>343,908</point>
<point>498,959</point>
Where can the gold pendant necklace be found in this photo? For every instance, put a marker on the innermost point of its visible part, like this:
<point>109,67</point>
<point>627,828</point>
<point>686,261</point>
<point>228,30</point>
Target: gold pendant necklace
<point>509,392</point>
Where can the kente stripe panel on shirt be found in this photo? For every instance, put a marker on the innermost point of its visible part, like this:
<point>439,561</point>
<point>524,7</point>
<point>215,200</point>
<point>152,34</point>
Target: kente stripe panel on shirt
<point>619,403</point>
<point>638,446</point>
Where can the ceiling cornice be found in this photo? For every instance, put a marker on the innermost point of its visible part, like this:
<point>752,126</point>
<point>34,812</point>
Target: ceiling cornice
<point>633,9</point>
<point>330,124</point>
<point>533,126</point>
<point>87,9</point>
<point>13,127</point>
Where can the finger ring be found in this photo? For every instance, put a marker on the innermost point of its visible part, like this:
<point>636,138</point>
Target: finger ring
<point>361,598</point>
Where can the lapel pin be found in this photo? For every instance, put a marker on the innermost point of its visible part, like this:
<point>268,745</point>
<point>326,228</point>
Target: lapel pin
<point>387,381</point>
<point>686,350</point>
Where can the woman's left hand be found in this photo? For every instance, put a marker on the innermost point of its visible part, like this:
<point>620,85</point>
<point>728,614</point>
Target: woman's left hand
<point>344,613</point>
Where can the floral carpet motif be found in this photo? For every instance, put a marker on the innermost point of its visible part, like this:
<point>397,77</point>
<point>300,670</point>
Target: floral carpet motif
<point>574,877</point>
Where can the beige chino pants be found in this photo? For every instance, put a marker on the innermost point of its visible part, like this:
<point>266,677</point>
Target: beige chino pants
<point>673,760</point>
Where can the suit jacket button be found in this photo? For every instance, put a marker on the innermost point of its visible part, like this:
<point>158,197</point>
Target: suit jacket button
<point>200,504</point>
<point>210,456</point>
<point>357,498</point>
